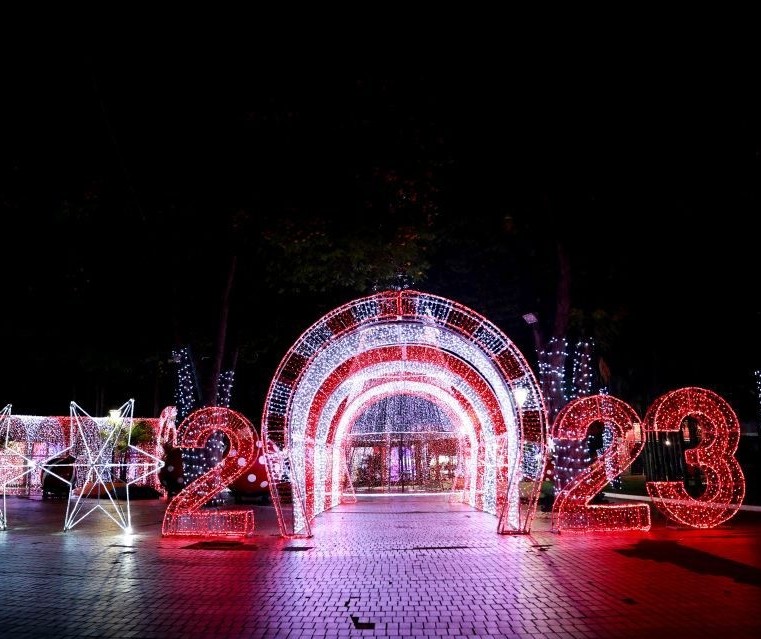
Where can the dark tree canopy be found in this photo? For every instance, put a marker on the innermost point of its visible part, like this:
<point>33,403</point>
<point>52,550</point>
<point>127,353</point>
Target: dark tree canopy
<point>134,181</point>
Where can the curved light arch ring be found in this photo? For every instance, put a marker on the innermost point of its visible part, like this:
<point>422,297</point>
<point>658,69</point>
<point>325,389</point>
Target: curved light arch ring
<point>473,399</point>
<point>404,319</point>
<point>457,405</point>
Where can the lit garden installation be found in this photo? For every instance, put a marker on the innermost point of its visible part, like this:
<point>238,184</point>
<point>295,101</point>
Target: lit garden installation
<point>428,350</point>
<point>571,509</point>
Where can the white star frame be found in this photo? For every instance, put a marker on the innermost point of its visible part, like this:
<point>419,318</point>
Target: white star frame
<point>105,457</point>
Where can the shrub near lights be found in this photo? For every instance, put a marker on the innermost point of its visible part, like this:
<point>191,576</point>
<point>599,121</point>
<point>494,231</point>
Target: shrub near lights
<point>714,456</point>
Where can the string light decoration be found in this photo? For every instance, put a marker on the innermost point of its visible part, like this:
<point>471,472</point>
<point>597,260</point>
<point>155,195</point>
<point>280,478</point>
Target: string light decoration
<point>97,471</point>
<point>185,515</point>
<point>29,445</point>
<point>552,364</point>
<point>428,349</point>
<point>187,391</point>
<point>569,457</point>
<point>571,510</point>
<point>195,462</point>
<point>583,373</point>
<point>225,388</point>
<point>718,431</point>
<point>9,466</point>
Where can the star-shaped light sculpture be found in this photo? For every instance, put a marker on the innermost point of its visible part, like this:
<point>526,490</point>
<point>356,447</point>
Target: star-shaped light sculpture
<point>16,460</point>
<point>104,458</point>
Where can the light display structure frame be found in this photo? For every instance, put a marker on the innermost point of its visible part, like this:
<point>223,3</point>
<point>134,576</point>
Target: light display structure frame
<point>444,351</point>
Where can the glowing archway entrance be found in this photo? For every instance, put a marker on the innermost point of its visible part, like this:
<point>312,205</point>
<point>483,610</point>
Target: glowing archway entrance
<point>414,345</point>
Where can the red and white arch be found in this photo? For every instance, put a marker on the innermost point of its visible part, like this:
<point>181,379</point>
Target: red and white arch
<point>404,343</point>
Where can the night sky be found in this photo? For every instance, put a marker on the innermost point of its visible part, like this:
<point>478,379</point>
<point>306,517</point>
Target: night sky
<point>137,160</point>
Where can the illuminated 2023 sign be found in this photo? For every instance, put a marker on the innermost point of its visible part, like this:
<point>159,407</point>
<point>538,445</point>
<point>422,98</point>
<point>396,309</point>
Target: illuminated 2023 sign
<point>713,457</point>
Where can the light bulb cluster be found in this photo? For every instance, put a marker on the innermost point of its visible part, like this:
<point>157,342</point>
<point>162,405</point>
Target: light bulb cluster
<point>433,355</point>
<point>583,373</point>
<point>552,364</point>
<point>187,393</point>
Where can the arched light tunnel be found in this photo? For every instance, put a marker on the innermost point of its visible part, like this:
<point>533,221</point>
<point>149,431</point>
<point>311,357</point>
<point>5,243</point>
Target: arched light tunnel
<point>427,349</point>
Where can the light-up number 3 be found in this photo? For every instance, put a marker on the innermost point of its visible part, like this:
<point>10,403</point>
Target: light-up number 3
<point>572,510</point>
<point>719,433</point>
<point>183,515</point>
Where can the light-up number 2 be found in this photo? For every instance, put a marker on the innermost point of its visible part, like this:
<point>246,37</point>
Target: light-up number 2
<point>571,509</point>
<point>183,515</point>
<point>719,433</point>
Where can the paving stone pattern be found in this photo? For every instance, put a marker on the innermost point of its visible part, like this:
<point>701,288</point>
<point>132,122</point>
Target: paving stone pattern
<point>390,567</point>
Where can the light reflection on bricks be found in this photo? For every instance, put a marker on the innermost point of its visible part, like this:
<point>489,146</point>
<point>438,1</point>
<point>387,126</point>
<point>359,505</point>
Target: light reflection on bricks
<point>392,567</point>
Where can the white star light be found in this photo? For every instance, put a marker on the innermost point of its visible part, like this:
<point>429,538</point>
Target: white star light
<point>100,464</point>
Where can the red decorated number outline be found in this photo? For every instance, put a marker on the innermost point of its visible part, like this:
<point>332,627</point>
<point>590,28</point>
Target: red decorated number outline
<point>714,456</point>
<point>183,514</point>
<point>571,509</point>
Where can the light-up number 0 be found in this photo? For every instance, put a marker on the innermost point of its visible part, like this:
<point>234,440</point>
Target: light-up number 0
<point>719,436</point>
<point>183,515</point>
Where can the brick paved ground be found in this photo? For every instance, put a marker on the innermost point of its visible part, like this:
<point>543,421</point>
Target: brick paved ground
<point>400,567</point>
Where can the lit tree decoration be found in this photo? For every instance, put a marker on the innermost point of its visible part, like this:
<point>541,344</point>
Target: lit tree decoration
<point>552,363</point>
<point>96,469</point>
<point>187,392</point>
<point>719,435</point>
<point>225,386</point>
<point>382,346</point>
<point>758,391</point>
<point>188,396</point>
<point>582,376</point>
